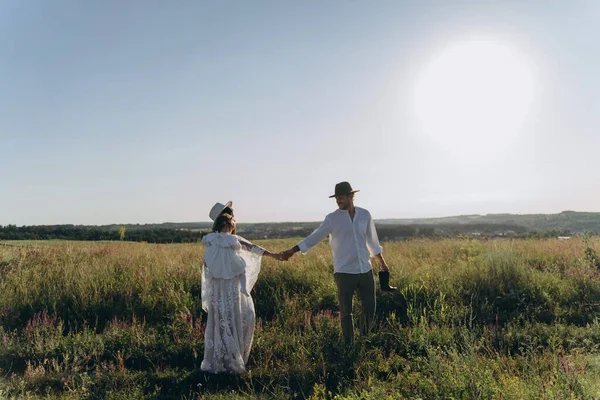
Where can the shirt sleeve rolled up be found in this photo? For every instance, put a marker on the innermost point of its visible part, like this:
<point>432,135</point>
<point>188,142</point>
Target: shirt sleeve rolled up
<point>372,239</point>
<point>314,238</point>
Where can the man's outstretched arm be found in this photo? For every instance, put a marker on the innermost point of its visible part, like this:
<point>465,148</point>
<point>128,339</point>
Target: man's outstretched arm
<point>319,234</point>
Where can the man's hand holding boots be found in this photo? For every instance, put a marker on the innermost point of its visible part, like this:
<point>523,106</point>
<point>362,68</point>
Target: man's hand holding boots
<point>384,276</point>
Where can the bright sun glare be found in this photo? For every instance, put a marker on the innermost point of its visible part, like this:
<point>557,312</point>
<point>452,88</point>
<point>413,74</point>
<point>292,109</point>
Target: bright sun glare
<point>474,97</point>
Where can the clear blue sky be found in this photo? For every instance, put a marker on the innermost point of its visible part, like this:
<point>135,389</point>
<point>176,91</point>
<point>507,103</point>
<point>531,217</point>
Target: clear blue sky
<point>151,111</point>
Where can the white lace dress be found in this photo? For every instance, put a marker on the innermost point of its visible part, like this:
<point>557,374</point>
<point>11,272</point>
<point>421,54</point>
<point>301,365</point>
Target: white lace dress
<point>230,325</point>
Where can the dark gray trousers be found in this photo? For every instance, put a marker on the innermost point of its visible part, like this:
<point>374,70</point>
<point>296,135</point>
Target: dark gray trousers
<point>347,284</point>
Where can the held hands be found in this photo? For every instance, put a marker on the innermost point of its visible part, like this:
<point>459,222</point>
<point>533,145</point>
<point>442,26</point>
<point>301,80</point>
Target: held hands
<point>279,256</point>
<point>284,255</point>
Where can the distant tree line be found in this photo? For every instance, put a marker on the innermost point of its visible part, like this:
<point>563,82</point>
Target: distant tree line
<point>387,231</point>
<point>74,232</point>
<point>162,234</point>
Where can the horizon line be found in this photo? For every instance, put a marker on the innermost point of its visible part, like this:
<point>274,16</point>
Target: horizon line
<point>312,221</point>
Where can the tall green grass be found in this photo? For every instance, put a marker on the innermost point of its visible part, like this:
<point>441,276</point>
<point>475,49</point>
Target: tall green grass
<point>510,319</point>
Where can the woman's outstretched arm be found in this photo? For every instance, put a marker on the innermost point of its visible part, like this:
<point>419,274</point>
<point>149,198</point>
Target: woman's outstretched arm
<point>245,244</point>
<point>249,246</point>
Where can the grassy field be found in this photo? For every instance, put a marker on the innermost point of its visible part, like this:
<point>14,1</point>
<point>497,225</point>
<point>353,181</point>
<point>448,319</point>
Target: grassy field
<point>504,319</point>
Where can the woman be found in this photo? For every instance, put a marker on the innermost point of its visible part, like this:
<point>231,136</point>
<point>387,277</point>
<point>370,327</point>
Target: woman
<point>230,325</point>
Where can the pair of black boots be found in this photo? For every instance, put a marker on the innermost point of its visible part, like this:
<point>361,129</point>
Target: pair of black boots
<point>384,282</point>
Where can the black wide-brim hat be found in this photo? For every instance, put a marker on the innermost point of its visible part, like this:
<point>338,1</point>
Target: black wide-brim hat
<point>343,188</point>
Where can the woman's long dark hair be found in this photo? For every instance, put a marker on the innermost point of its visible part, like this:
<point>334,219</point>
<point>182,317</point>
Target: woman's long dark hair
<point>229,210</point>
<point>222,221</point>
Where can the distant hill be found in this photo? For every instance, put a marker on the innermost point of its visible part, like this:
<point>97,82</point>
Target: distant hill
<point>566,222</point>
<point>573,221</point>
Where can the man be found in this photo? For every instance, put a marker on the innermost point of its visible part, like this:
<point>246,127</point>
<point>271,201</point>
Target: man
<point>353,238</point>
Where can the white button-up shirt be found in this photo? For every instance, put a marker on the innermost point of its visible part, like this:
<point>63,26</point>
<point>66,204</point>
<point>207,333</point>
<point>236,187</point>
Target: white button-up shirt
<point>352,241</point>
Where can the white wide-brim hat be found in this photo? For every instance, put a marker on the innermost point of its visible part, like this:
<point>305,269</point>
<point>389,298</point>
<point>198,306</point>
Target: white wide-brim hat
<point>218,209</point>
